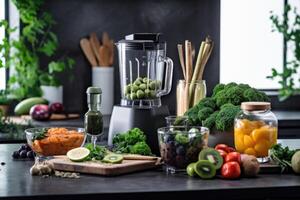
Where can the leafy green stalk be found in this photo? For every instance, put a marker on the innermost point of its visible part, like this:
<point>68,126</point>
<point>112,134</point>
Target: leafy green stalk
<point>290,29</point>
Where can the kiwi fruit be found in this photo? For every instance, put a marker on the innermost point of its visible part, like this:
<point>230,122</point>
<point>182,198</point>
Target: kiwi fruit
<point>205,169</point>
<point>113,158</point>
<point>212,156</point>
<point>190,169</point>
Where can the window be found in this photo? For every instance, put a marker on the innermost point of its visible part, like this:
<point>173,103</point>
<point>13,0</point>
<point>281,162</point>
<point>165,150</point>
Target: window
<point>248,47</point>
<point>2,34</point>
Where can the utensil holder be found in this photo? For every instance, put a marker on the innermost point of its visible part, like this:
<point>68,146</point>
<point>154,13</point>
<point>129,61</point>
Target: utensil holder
<point>52,93</point>
<point>188,95</point>
<point>103,77</point>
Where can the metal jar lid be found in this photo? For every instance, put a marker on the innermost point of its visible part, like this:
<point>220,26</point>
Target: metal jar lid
<point>255,106</point>
<point>94,90</point>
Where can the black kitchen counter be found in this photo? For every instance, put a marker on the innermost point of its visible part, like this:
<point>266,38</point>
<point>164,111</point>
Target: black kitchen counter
<point>17,183</point>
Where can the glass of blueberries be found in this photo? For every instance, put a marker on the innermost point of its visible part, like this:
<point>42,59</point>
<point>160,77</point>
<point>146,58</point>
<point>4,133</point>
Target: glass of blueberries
<point>180,145</point>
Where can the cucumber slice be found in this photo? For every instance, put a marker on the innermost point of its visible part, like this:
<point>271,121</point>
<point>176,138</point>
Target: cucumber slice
<point>78,154</point>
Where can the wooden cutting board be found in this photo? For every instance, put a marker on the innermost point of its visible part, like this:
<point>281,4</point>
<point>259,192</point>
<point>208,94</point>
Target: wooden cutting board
<point>105,169</point>
<point>55,117</point>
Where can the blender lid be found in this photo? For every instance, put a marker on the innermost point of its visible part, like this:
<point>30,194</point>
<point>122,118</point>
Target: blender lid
<point>143,41</point>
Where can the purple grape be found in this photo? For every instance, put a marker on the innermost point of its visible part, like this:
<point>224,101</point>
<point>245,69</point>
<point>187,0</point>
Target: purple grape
<point>30,154</point>
<point>16,154</point>
<point>23,154</point>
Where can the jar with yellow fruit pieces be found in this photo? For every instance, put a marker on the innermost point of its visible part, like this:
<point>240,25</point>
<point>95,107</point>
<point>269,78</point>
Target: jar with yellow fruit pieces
<point>255,129</point>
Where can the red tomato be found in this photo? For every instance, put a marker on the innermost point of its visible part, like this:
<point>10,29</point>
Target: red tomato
<point>222,153</point>
<point>231,170</point>
<point>233,156</point>
<point>221,147</point>
<point>230,149</point>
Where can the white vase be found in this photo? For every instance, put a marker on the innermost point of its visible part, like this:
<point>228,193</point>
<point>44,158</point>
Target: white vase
<point>103,77</point>
<point>52,94</point>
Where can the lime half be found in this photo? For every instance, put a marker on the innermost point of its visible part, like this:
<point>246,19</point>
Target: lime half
<point>78,154</point>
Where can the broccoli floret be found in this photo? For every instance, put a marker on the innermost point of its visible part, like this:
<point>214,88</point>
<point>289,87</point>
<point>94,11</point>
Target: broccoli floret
<point>192,114</point>
<point>232,94</point>
<point>252,94</point>
<point>204,113</point>
<point>225,118</point>
<point>217,89</point>
<point>140,148</point>
<point>226,105</point>
<point>210,121</point>
<point>229,85</point>
<point>244,86</point>
<point>207,102</point>
<point>134,135</point>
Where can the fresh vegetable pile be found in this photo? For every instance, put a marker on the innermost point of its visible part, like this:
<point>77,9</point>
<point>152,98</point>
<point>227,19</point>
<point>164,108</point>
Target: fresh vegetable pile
<point>285,158</point>
<point>133,141</point>
<point>219,110</point>
<point>224,160</point>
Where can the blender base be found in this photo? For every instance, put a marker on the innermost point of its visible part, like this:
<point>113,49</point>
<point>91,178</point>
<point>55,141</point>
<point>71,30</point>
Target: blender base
<point>147,119</point>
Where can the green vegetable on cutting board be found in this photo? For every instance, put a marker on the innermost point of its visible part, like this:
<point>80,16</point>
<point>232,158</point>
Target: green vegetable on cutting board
<point>24,106</point>
<point>133,141</point>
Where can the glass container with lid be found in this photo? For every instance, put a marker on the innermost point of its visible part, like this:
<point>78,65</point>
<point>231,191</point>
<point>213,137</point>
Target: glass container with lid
<point>145,71</point>
<point>255,129</point>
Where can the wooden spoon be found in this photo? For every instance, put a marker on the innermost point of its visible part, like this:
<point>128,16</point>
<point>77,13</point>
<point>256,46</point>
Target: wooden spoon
<point>104,53</point>
<point>95,44</point>
<point>88,52</point>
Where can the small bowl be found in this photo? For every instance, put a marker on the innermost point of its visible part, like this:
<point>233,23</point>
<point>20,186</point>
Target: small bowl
<point>59,142</point>
<point>180,145</point>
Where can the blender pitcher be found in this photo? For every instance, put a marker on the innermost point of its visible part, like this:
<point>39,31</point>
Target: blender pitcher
<point>145,71</point>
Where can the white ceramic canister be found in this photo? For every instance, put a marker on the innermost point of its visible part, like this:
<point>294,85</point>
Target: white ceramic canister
<point>103,77</point>
<point>52,93</point>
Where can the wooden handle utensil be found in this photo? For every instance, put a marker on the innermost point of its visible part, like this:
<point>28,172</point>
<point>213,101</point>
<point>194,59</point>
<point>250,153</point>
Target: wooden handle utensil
<point>88,52</point>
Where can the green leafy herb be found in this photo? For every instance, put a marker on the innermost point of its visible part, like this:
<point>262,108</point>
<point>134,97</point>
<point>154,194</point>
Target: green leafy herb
<point>282,156</point>
<point>40,135</point>
<point>132,141</point>
<point>97,153</point>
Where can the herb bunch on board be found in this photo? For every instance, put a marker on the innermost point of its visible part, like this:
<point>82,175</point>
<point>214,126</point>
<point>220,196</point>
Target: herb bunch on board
<point>133,141</point>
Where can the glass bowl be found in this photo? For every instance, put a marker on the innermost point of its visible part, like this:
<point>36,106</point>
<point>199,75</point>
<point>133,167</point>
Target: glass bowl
<point>180,145</point>
<point>52,141</point>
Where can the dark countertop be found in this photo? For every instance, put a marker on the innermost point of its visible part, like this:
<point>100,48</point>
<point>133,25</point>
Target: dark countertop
<point>17,183</point>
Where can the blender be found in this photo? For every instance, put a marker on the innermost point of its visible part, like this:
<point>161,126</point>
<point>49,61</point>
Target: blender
<point>145,76</point>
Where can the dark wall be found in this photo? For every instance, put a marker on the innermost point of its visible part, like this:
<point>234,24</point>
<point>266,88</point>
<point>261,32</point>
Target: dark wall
<point>177,20</point>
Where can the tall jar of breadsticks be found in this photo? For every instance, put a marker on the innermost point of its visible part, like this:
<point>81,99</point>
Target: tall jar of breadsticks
<point>193,88</point>
<point>255,129</point>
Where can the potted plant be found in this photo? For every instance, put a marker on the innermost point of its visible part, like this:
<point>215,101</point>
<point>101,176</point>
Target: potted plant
<point>52,89</point>
<point>36,40</point>
<point>4,102</point>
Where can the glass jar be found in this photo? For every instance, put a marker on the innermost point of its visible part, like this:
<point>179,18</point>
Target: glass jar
<point>93,120</point>
<point>255,129</point>
<point>180,145</point>
<point>188,95</point>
